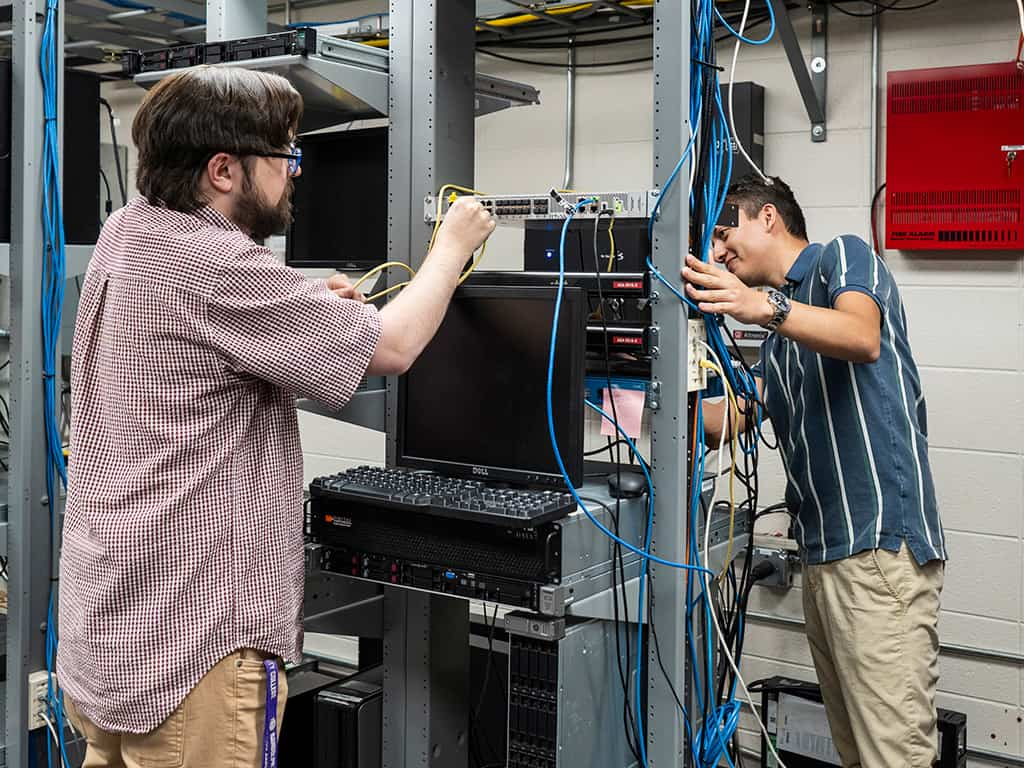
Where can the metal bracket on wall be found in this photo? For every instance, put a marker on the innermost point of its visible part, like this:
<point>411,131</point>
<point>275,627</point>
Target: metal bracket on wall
<point>813,85</point>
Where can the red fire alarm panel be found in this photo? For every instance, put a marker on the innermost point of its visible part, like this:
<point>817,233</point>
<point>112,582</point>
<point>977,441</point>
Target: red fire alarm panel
<point>955,158</point>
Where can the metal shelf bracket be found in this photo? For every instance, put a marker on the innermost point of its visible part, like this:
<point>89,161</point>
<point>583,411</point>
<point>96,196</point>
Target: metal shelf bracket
<point>813,85</point>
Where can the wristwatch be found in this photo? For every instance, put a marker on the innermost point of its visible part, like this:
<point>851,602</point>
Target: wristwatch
<point>780,305</point>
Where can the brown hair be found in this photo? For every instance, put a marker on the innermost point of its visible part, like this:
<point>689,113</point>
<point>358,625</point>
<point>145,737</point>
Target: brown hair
<point>752,193</point>
<point>189,117</point>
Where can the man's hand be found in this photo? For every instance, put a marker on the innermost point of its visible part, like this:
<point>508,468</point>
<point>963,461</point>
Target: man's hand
<point>722,293</point>
<point>465,227</point>
<point>340,285</point>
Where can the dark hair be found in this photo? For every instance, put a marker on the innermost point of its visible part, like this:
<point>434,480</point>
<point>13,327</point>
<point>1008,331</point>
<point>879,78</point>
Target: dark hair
<point>752,193</point>
<point>189,117</point>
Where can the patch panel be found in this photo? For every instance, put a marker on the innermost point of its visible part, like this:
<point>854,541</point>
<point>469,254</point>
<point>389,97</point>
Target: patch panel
<point>552,205</point>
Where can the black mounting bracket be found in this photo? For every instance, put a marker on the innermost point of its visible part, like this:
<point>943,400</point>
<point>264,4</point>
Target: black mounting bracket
<point>813,85</point>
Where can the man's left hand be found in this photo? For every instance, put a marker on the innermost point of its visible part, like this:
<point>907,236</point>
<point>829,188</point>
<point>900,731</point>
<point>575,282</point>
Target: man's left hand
<point>720,292</point>
<point>340,285</point>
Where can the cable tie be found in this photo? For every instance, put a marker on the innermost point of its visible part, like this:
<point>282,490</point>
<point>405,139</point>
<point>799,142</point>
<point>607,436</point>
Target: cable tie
<point>707,64</point>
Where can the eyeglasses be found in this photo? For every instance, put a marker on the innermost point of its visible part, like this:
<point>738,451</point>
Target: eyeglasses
<point>293,156</point>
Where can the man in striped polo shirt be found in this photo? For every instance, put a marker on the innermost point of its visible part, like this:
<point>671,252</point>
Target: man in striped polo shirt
<point>843,393</point>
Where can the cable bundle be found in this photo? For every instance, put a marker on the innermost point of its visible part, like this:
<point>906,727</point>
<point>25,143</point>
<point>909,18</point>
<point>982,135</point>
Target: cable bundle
<point>52,304</point>
<point>715,603</point>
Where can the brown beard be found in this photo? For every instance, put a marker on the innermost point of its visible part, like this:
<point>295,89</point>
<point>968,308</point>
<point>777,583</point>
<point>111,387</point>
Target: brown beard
<point>256,217</point>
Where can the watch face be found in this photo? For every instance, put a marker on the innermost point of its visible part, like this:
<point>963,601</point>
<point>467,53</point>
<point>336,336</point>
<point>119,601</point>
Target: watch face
<point>782,305</point>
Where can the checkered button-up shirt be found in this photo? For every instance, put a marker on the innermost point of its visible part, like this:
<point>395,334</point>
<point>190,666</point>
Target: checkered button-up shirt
<point>183,532</point>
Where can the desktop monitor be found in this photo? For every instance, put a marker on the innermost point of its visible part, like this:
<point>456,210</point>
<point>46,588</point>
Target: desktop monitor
<point>474,403</point>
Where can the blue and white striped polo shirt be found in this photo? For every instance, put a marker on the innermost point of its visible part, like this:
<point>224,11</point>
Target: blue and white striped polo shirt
<point>853,437</point>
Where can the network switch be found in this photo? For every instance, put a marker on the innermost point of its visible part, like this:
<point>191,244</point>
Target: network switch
<point>554,205</point>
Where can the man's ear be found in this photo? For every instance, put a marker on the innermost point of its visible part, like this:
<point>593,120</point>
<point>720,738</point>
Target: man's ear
<point>222,172</point>
<point>769,217</point>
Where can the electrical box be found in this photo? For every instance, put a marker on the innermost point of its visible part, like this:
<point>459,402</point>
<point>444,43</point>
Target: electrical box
<point>955,158</point>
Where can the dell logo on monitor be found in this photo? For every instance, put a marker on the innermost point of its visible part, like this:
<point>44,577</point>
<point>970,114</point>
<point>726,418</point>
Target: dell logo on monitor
<point>480,471</point>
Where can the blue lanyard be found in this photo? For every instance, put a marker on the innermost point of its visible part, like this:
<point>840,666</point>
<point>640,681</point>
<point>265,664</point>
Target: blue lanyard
<point>270,718</point>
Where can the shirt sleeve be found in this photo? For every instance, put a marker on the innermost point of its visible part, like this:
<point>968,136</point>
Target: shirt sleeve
<point>849,264</point>
<point>271,322</point>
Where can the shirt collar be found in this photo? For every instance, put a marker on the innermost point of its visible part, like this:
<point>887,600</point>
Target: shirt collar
<point>211,215</point>
<point>802,265</point>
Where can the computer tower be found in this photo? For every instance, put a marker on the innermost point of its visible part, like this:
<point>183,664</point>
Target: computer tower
<point>565,700</point>
<point>348,724</point>
<point>80,159</point>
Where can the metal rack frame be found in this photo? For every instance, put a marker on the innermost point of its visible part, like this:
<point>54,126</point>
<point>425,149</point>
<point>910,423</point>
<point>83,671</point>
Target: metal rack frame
<point>27,526</point>
<point>428,149</point>
<point>430,105</point>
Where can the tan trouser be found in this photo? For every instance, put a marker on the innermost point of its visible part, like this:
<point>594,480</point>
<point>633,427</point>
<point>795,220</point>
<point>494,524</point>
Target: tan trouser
<point>219,724</point>
<point>872,623</point>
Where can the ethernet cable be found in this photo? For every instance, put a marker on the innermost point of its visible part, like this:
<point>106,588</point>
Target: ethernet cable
<point>726,412</point>
<point>739,34</point>
<point>433,236</point>
<point>732,81</point>
<point>644,553</point>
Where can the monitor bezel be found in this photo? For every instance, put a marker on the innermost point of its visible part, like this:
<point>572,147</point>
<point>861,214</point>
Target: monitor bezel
<point>573,313</point>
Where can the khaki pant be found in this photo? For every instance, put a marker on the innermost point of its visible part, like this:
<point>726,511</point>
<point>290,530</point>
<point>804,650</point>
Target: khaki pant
<point>219,724</point>
<point>872,624</point>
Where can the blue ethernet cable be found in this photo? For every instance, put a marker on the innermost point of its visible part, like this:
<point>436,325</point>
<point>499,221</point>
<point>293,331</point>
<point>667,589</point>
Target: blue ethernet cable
<point>52,300</point>
<point>767,38</point>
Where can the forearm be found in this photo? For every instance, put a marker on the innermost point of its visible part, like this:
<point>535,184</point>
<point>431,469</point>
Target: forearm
<point>713,415</point>
<point>715,424</point>
<point>410,320</point>
<point>832,333</point>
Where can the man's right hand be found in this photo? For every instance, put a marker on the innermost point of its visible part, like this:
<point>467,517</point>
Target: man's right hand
<point>465,227</point>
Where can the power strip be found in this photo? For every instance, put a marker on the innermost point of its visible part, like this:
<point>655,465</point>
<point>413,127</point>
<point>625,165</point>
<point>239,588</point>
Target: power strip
<point>37,690</point>
<point>697,376</point>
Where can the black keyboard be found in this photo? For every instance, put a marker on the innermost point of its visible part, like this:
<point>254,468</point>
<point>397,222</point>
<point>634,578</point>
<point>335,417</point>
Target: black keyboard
<point>445,496</point>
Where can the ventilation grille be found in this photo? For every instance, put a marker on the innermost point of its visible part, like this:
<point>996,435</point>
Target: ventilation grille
<point>982,207</point>
<point>972,216</point>
<point>532,704</point>
<point>991,93</point>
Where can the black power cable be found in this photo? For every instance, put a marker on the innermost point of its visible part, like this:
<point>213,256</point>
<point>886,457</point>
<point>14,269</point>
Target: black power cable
<point>879,7</point>
<point>609,448</point>
<point>515,60</point>
<point>874,220</point>
<point>108,206</point>
<point>476,731</point>
<point>563,44</point>
<point>121,182</point>
<point>629,721</point>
